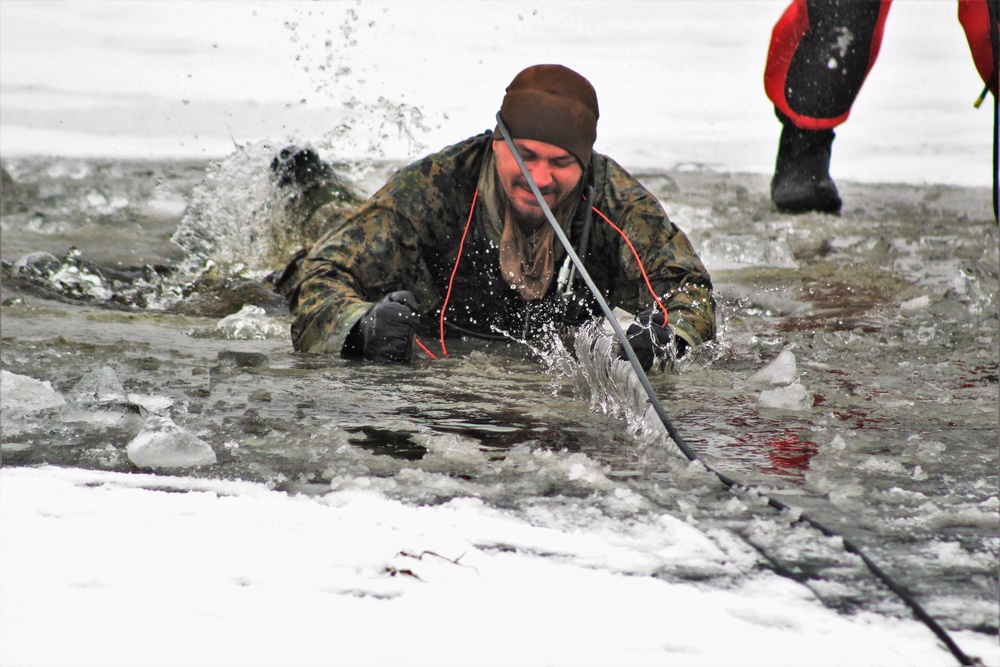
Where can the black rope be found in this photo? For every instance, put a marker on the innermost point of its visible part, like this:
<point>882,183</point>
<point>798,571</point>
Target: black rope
<point>903,594</point>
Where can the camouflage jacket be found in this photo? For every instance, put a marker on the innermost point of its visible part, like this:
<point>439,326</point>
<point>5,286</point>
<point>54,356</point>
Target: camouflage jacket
<point>407,237</point>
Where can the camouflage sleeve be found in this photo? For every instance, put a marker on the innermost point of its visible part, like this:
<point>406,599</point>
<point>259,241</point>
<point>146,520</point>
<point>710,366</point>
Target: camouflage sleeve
<point>393,242</point>
<point>370,254</point>
<point>674,270</point>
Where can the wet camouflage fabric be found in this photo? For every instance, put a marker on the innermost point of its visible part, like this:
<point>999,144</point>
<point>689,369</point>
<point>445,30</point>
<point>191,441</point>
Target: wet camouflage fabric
<point>407,236</point>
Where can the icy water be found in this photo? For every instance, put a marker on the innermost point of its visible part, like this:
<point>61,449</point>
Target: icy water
<point>124,286</point>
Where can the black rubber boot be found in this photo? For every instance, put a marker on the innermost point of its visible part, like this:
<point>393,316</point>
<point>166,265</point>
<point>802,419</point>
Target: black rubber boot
<point>310,183</point>
<point>802,171</point>
<point>307,185</point>
<point>301,166</point>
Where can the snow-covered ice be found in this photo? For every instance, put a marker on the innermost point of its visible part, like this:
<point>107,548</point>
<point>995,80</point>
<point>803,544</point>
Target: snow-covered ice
<point>126,572</point>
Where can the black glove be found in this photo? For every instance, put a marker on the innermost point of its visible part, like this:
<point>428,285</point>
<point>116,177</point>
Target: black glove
<point>385,332</point>
<point>650,340</point>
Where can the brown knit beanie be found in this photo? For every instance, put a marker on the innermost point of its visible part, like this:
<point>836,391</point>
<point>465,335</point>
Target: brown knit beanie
<point>553,104</point>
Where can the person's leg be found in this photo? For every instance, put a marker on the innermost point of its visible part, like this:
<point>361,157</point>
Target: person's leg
<point>974,15</point>
<point>819,55</point>
<point>981,21</point>
<point>314,196</point>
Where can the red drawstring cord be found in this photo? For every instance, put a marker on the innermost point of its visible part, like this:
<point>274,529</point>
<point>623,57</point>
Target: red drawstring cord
<point>638,261</point>
<point>451,281</point>
<point>424,348</point>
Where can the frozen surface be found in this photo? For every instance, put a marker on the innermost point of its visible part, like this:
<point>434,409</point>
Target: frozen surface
<point>231,571</point>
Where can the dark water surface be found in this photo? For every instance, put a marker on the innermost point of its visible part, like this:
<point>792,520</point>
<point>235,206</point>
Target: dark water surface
<point>889,432</point>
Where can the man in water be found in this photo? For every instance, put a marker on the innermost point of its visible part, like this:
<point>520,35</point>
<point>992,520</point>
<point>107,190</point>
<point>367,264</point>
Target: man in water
<point>457,244</point>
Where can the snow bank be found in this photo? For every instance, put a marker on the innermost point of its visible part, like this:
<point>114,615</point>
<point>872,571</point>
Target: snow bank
<point>232,573</point>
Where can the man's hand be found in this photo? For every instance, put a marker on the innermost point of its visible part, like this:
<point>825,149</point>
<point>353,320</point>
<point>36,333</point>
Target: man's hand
<point>651,340</point>
<point>385,332</point>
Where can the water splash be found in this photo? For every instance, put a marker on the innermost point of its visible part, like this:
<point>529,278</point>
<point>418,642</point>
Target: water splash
<point>235,223</point>
<point>370,123</point>
<point>238,223</point>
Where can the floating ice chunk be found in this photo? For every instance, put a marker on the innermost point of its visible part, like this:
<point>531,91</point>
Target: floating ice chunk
<point>164,444</point>
<point>90,284</point>
<point>846,496</point>
<point>99,399</point>
<point>882,464</point>
<point>251,322</point>
<point>781,371</point>
<point>67,275</point>
<point>101,385</point>
<point>76,170</point>
<point>96,199</point>
<point>101,204</point>
<point>919,303</point>
<point>156,404</point>
<point>793,397</point>
<point>923,451</point>
<point>37,265</point>
<point>451,452</point>
<point>20,394</point>
<point>234,361</point>
<point>736,251</point>
<point>164,206</point>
